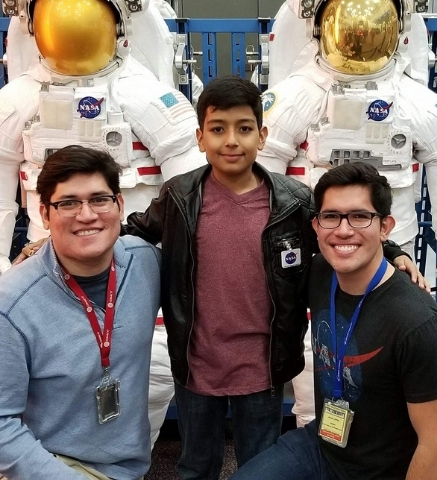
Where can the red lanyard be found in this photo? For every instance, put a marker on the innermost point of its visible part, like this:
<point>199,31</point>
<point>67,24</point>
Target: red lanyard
<point>103,338</point>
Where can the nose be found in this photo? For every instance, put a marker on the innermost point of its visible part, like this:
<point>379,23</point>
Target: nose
<point>231,138</point>
<point>344,228</point>
<point>86,213</point>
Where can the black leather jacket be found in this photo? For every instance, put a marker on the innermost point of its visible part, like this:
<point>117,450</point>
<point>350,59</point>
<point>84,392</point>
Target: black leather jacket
<point>171,219</point>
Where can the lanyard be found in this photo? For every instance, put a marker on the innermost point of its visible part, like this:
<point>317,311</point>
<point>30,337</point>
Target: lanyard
<point>103,338</point>
<point>339,356</point>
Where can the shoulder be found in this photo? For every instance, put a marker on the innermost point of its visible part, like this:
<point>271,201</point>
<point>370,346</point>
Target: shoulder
<point>188,181</point>
<point>293,188</point>
<point>21,281</point>
<point>137,246</point>
<point>401,296</point>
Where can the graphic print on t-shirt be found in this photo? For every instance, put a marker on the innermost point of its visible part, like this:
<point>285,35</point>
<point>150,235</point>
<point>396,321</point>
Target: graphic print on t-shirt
<point>324,361</point>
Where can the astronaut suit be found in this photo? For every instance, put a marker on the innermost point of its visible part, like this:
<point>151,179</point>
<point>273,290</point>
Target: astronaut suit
<point>83,86</point>
<point>344,88</point>
<point>355,94</point>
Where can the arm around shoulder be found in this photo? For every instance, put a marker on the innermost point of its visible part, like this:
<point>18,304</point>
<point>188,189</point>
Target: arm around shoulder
<point>148,225</point>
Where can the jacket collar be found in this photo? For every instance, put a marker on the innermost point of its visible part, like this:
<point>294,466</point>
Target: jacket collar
<point>50,263</point>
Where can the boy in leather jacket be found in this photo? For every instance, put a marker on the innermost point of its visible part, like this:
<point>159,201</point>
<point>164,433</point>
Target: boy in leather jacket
<point>237,244</point>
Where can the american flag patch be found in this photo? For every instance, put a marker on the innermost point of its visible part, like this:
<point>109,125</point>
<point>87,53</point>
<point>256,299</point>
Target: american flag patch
<point>177,104</point>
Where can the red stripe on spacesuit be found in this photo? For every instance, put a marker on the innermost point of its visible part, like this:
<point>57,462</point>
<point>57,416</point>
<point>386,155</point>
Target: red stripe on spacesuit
<point>23,175</point>
<point>271,37</point>
<point>149,170</point>
<point>139,146</point>
<point>295,171</point>
<point>415,167</point>
<point>159,321</point>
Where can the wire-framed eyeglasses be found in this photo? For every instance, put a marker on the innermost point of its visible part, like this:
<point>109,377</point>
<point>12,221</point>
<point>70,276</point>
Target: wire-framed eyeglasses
<point>72,208</point>
<point>354,219</point>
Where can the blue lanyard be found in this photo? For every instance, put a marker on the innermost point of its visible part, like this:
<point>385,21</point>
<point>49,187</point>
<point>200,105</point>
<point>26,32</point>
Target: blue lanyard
<point>339,357</point>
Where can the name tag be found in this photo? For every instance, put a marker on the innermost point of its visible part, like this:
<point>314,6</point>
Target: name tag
<point>291,258</point>
<point>335,422</point>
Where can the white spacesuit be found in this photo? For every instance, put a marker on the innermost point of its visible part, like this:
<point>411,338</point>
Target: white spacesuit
<point>342,88</point>
<point>88,89</point>
<point>356,97</point>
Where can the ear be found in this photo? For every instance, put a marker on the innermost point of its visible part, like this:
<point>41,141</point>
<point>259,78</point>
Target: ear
<point>120,201</point>
<point>387,225</point>
<point>315,224</point>
<point>262,137</point>
<point>43,211</point>
<point>199,136</point>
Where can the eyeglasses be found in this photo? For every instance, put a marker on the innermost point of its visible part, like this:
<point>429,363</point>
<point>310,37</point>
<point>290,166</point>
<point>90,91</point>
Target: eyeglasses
<point>72,208</point>
<point>354,219</point>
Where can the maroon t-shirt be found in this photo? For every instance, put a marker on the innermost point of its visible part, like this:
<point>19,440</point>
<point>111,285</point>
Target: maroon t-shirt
<point>229,351</point>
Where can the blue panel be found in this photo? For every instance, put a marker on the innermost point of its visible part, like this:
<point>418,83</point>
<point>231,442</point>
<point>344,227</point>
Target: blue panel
<point>209,58</point>
<point>238,54</point>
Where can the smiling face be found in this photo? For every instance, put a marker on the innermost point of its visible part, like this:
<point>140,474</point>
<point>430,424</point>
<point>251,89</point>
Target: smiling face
<point>354,253</point>
<point>84,244</point>
<point>231,140</point>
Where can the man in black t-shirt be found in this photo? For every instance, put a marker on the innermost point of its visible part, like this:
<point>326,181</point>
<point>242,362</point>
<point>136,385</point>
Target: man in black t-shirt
<point>374,337</point>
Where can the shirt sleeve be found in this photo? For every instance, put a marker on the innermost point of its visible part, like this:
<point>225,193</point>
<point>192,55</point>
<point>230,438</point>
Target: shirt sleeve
<point>418,366</point>
<point>22,456</point>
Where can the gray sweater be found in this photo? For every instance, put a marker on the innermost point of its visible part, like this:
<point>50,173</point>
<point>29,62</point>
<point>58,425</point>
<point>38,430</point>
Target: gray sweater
<point>50,367</point>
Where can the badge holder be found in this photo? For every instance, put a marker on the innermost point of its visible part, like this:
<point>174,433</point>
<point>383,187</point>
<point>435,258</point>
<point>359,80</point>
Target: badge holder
<point>335,422</point>
<point>107,394</point>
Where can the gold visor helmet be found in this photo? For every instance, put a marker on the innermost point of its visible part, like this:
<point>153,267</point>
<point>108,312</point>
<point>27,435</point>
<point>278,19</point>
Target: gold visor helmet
<point>77,37</point>
<point>358,37</point>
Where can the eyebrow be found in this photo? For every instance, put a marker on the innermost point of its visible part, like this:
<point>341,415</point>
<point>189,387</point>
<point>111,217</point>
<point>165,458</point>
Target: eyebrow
<point>73,196</point>
<point>242,120</point>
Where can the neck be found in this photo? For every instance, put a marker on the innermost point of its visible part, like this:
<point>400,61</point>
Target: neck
<point>86,268</point>
<point>356,283</point>
<point>239,184</point>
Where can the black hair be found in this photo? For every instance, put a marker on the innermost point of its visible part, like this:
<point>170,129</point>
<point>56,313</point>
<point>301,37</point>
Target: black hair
<point>68,161</point>
<point>227,92</point>
<point>358,173</point>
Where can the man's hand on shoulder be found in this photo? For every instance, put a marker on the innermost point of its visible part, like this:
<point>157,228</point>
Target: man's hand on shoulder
<point>28,250</point>
<point>405,264</point>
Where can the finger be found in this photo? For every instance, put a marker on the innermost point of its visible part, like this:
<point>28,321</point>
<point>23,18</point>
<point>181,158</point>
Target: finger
<point>19,259</point>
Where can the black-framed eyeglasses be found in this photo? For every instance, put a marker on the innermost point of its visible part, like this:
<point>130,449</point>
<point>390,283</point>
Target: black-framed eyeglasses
<point>72,208</point>
<point>354,219</point>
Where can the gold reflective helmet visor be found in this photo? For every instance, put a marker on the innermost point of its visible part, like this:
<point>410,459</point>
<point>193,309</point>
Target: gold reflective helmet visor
<point>358,37</point>
<point>75,37</point>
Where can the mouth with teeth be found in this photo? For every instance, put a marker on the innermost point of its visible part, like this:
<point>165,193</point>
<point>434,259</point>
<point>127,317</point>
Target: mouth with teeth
<point>346,248</point>
<point>85,233</point>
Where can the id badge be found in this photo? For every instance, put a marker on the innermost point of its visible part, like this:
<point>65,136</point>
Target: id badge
<point>291,258</point>
<point>335,422</point>
<point>108,405</point>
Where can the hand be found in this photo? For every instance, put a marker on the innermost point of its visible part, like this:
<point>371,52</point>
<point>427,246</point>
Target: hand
<point>404,264</point>
<point>28,250</point>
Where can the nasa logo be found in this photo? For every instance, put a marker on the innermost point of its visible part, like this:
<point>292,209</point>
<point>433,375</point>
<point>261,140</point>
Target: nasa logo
<point>268,100</point>
<point>290,258</point>
<point>89,107</point>
<point>379,110</point>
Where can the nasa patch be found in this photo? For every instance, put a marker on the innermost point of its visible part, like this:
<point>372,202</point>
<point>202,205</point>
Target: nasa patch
<point>290,258</point>
<point>379,110</point>
<point>89,107</point>
<point>268,99</point>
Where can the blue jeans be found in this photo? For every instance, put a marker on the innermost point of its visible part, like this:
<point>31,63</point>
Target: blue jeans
<point>295,456</point>
<point>256,419</point>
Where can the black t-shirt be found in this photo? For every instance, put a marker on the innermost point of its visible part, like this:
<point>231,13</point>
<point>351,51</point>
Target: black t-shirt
<point>390,360</point>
